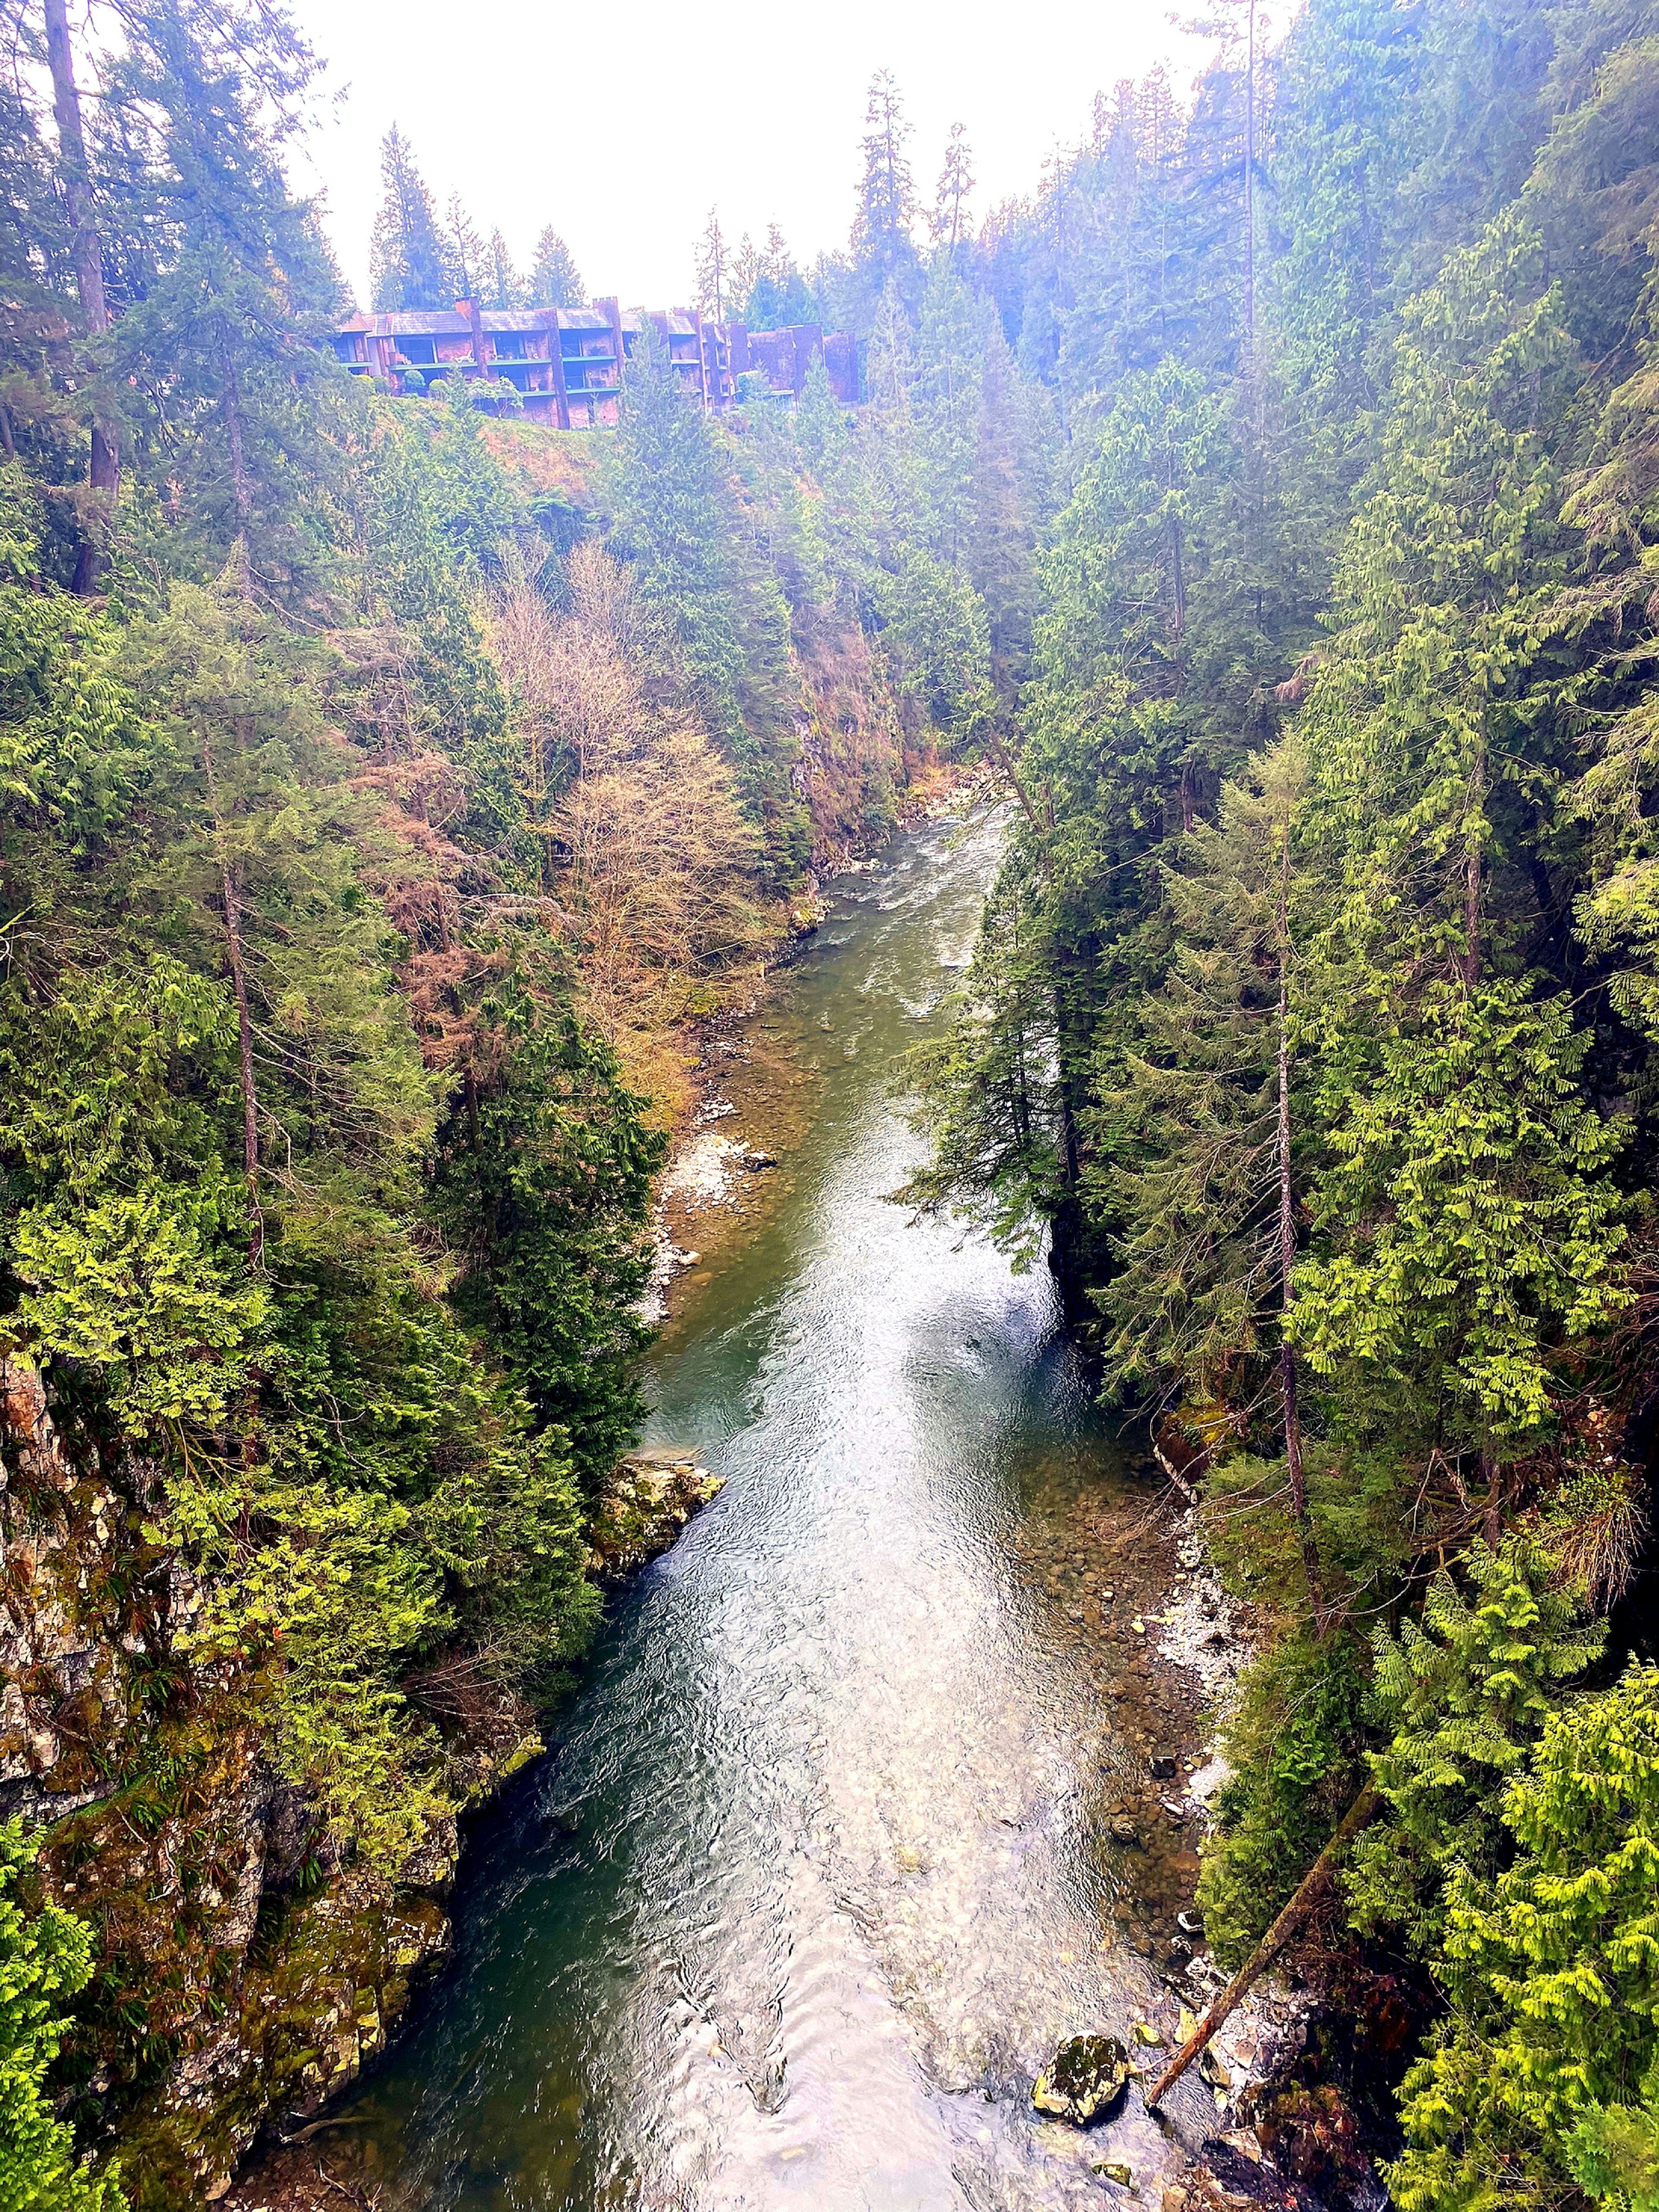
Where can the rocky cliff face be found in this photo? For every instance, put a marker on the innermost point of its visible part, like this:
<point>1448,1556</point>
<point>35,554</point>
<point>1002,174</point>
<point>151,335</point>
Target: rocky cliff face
<point>240,1963</point>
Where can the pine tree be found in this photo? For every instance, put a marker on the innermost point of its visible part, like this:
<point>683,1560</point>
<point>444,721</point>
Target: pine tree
<point>1000,548</point>
<point>678,516</point>
<point>407,261</point>
<point>767,290</point>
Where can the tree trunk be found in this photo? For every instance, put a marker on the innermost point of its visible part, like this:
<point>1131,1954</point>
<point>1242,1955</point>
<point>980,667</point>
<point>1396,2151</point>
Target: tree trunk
<point>999,753</point>
<point>1287,1262</point>
<point>230,897</point>
<point>104,475</point>
<point>1471,880</point>
<point>1364,1808</point>
<point>1492,1517</point>
<point>231,892</point>
<point>241,489</point>
<point>1249,192</point>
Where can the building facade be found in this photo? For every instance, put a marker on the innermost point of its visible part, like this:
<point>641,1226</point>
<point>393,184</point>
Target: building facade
<point>566,362</point>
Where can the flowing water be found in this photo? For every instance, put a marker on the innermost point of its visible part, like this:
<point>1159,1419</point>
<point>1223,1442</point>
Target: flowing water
<point>812,1877</point>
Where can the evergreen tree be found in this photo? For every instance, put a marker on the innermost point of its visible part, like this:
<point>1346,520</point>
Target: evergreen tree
<point>226,327</point>
<point>554,281</point>
<point>465,255</point>
<point>1466,1694</point>
<point>503,287</point>
<point>884,246</point>
<point>949,222</point>
<point>767,290</point>
<point>1548,2054</point>
<point>679,518</point>
<point>712,257</point>
<point>46,1958</point>
<point>408,262</point>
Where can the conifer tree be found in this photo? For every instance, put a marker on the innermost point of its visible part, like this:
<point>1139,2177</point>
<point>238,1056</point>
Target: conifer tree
<point>1459,1077</point>
<point>1465,1693</point>
<point>949,221</point>
<point>465,252</point>
<point>679,518</point>
<point>503,287</point>
<point>226,326</point>
<point>555,280</point>
<point>408,262</point>
<point>883,247</point>
<point>1545,2061</point>
<point>712,258</point>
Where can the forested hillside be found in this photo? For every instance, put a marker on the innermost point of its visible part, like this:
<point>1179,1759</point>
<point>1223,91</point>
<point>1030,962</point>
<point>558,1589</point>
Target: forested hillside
<point>1313,1021</point>
<point>386,786</point>
<point>383,788</point>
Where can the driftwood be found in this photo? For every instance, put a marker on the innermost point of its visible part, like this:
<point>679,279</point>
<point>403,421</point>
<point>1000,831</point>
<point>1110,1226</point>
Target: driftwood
<point>1365,1807</point>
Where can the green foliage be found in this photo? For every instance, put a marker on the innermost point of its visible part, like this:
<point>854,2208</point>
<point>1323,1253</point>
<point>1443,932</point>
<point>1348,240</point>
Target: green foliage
<point>984,1091</point>
<point>1293,1744</point>
<point>1468,1207</point>
<point>1553,1973</point>
<point>679,518</point>
<point>1613,2151</point>
<point>46,1958</point>
<point>547,1202</point>
<point>1186,1135</point>
<point>1465,1694</point>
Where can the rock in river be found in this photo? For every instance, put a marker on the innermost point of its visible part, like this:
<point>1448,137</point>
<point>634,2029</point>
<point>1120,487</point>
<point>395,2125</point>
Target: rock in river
<point>1086,2076</point>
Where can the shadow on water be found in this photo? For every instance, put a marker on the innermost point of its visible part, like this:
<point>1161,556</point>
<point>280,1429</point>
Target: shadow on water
<point>807,1885</point>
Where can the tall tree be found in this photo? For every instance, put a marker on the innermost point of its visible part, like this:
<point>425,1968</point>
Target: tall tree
<point>408,262</point>
<point>884,246</point>
<point>555,280</point>
<point>464,252</point>
<point>712,263</point>
<point>104,474</point>
<point>949,221</point>
<point>503,287</point>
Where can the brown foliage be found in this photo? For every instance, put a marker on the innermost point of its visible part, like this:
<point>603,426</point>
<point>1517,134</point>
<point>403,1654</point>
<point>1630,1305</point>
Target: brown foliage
<point>647,850</point>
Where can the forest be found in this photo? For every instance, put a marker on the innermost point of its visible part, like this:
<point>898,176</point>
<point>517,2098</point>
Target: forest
<point>388,786</point>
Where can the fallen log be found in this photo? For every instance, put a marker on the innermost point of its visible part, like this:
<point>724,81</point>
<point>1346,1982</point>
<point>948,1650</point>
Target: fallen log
<point>1365,1807</point>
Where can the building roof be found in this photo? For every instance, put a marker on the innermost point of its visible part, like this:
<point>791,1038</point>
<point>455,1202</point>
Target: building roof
<point>449,322</point>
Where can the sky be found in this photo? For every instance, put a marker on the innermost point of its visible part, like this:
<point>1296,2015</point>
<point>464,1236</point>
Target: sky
<point>623,122</point>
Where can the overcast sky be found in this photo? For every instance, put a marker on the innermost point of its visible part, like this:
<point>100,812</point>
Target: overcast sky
<point>622,121</point>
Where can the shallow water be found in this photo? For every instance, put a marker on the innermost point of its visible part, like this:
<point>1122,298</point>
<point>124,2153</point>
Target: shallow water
<point>812,1877</point>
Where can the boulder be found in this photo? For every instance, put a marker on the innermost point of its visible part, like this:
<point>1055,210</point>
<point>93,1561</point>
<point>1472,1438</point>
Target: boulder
<point>1085,2078</point>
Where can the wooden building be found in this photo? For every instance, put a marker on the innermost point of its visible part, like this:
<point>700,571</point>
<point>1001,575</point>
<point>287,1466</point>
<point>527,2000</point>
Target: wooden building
<point>566,362</point>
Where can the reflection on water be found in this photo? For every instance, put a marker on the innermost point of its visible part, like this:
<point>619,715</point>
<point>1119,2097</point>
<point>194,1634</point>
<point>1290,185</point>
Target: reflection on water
<point>808,1884</point>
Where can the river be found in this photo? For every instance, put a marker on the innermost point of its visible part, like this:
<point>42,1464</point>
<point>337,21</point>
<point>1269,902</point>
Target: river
<point>815,1872</point>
